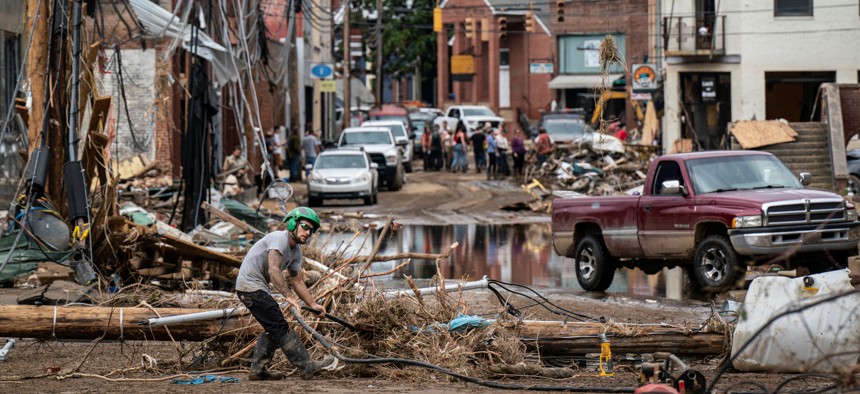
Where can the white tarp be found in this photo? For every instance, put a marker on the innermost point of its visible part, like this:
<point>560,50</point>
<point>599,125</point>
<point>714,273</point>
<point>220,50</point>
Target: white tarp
<point>158,22</point>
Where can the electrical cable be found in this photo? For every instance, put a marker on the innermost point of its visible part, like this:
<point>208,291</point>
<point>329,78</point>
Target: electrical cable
<point>541,300</point>
<point>422,364</point>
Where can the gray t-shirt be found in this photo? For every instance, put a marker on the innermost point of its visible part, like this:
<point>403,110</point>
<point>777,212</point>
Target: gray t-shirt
<point>309,145</point>
<point>254,271</point>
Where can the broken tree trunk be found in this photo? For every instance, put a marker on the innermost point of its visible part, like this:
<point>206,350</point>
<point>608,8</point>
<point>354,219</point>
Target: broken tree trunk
<point>554,337</point>
<point>76,322</point>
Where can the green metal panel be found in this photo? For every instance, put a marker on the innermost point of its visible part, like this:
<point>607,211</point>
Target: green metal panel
<point>579,54</point>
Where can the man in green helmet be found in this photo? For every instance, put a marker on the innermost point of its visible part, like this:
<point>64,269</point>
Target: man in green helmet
<point>264,265</point>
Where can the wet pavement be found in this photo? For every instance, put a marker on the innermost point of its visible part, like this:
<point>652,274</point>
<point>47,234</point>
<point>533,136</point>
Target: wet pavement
<point>516,253</point>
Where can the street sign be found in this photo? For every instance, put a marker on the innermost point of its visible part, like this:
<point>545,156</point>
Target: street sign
<point>328,86</point>
<point>321,70</point>
<point>462,64</point>
<point>644,77</point>
<point>540,68</point>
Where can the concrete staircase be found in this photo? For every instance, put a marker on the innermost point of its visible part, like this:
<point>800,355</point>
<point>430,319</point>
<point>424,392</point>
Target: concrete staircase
<point>811,153</point>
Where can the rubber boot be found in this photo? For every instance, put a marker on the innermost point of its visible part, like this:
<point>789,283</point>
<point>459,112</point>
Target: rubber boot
<point>263,353</point>
<point>295,351</point>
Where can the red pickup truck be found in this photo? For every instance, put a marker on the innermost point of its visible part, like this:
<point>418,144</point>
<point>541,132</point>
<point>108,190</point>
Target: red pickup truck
<point>712,213</point>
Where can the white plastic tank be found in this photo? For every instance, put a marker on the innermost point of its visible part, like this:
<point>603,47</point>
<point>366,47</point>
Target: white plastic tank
<point>823,338</point>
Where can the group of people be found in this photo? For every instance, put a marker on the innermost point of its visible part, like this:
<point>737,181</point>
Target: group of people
<point>283,153</point>
<point>491,149</point>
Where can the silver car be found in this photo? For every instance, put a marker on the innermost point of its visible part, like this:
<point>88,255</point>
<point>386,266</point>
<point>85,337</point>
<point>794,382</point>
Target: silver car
<point>344,174</point>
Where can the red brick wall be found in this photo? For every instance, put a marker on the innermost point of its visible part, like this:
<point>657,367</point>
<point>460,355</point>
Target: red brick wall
<point>163,105</point>
<point>528,92</point>
<point>849,98</point>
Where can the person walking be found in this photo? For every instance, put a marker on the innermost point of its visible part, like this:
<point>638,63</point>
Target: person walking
<point>261,271</point>
<point>435,150</point>
<point>447,145</point>
<point>543,146</point>
<point>478,139</point>
<point>425,147</point>
<point>459,141</point>
<point>518,151</point>
<point>492,168</point>
<point>311,148</point>
<point>502,147</point>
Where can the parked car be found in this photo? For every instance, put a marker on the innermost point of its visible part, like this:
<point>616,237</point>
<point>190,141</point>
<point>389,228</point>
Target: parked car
<point>402,136</point>
<point>569,127</point>
<point>566,127</point>
<point>853,158</point>
<point>380,144</point>
<point>712,213</point>
<point>343,173</point>
<point>471,117</point>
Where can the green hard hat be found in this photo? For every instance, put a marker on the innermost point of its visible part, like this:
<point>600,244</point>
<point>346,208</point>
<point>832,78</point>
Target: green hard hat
<point>299,213</point>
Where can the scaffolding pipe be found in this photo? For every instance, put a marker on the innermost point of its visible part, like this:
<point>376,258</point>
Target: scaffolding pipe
<point>474,285</point>
<point>208,315</point>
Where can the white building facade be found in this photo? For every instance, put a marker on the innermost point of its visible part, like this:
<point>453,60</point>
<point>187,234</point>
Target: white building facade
<point>728,60</point>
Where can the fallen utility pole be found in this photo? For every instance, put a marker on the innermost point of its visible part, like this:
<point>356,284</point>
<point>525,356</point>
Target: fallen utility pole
<point>80,322</point>
<point>555,337</point>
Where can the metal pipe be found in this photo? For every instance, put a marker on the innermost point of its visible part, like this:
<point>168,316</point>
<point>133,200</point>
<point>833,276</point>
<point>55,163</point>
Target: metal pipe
<point>478,284</point>
<point>209,315</point>
<point>10,343</point>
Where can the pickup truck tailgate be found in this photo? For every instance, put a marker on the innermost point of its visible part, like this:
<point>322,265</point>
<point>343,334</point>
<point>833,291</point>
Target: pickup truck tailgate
<point>615,215</point>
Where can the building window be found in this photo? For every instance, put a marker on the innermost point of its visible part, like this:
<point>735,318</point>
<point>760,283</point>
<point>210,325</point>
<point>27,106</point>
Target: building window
<point>792,7</point>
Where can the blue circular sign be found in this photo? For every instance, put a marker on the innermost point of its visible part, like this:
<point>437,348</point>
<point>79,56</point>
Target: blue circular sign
<point>321,70</point>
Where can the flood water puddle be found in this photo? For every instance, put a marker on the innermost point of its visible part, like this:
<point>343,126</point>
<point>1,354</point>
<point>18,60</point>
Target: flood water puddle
<point>516,253</point>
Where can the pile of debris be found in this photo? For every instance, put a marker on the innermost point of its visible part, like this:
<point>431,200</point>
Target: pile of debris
<point>588,170</point>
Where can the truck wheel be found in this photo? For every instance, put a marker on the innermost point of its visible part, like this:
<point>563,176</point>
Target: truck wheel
<point>407,167</point>
<point>595,267</point>
<point>715,264</point>
<point>397,184</point>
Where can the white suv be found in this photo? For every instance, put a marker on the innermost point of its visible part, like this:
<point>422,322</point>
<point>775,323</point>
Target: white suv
<point>343,173</point>
<point>401,134</point>
<point>380,144</point>
<point>471,117</point>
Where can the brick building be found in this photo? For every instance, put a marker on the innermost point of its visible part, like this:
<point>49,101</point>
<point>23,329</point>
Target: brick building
<point>578,28</point>
<point>512,65</point>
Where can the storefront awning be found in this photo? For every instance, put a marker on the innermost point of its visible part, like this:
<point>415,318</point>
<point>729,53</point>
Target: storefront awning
<point>581,81</point>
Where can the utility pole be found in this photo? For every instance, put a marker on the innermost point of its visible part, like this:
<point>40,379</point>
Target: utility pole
<point>37,66</point>
<point>378,53</point>
<point>347,66</point>
<point>288,49</point>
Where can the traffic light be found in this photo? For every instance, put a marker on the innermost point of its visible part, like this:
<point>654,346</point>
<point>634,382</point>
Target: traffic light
<point>560,10</point>
<point>503,27</point>
<point>470,27</point>
<point>530,21</point>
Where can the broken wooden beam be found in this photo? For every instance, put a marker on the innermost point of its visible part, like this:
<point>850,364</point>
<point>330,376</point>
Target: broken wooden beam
<point>231,219</point>
<point>81,322</point>
<point>554,337</point>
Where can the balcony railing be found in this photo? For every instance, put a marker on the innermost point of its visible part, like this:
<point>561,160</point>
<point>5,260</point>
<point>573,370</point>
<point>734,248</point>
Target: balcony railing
<point>694,36</point>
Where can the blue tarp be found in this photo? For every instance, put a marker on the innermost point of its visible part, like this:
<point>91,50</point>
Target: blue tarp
<point>465,322</point>
<point>206,379</point>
